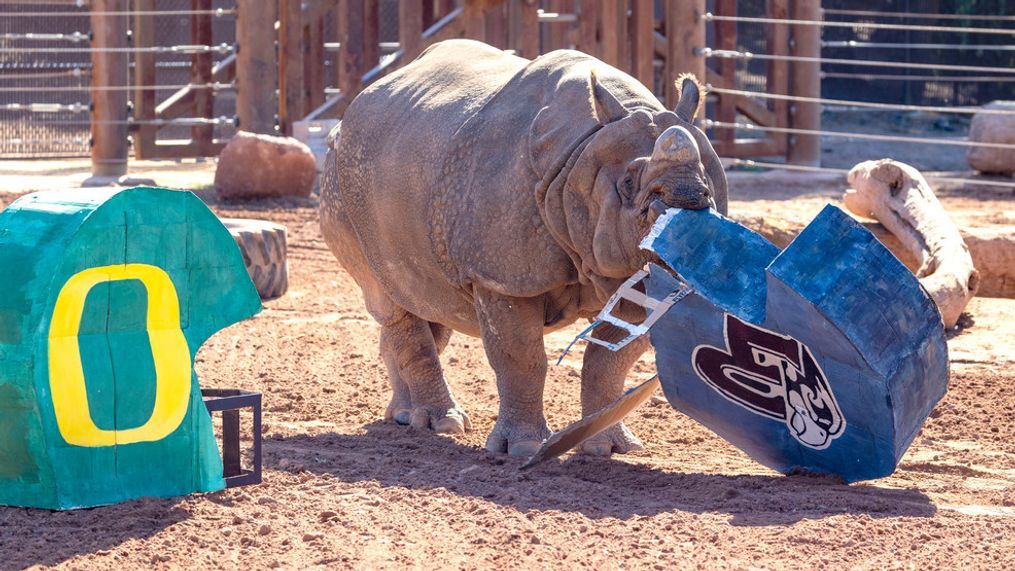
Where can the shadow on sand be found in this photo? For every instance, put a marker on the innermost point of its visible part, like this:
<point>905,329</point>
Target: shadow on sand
<point>598,488</point>
<point>41,537</point>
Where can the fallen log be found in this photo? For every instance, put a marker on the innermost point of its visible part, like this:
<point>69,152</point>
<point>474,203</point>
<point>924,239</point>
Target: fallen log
<point>898,196</point>
<point>992,249</point>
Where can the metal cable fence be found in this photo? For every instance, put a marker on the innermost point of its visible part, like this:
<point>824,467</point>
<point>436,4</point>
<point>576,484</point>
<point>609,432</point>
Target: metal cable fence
<point>46,71</point>
<point>51,88</point>
<point>942,68</point>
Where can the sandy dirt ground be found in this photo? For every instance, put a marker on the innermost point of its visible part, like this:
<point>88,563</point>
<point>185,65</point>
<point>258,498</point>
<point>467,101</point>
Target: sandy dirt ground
<point>344,489</point>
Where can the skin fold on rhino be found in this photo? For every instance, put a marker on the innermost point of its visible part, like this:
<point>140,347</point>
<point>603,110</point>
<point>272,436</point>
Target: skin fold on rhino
<point>480,192</point>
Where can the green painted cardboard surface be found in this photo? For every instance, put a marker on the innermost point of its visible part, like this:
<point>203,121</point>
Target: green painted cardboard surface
<point>45,240</point>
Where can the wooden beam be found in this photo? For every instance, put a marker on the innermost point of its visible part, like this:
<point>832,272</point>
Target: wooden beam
<point>778,70</point>
<point>745,148</point>
<point>805,82</point>
<point>588,27</point>
<point>609,39</point>
<point>685,33</point>
<point>726,37</point>
<point>255,66</point>
<point>109,106</point>
<point>371,33</point>
<point>144,74</point>
<point>450,26</point>
<point>555,36</point>
<point>495,18</point>
<point>179,103</point>
<point>360,50</point>
<point>290,64</point>
<point>623,35</point>
<point>410,29</point>
<point>642,50</point>
<point>200,73</point>
<point>474,20</point>
<point>314,81</point>
<point>524,27</point>
<point>754,110</point>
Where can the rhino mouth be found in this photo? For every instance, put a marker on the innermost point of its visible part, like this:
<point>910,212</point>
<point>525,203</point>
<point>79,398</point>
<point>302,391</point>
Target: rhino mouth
<point>656,208</point>
<point>696,198</point>
<point>682,187</point>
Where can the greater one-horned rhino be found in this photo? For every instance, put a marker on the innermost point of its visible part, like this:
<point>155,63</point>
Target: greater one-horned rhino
<point>484,193</point>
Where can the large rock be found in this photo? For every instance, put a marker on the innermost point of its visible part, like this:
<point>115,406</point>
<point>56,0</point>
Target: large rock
<point>993,128</point>
<point>262,166</point>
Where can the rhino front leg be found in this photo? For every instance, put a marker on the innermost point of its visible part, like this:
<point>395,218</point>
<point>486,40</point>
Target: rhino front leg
<point>603,373</point>
<point>512,332</point>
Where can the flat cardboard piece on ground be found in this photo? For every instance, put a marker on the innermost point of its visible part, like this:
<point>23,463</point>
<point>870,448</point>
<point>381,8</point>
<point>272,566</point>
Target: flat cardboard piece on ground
<point>580,431</point>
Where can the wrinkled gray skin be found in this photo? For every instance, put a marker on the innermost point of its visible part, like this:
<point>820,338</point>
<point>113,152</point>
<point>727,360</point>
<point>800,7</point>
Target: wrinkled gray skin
<point>479,192</point>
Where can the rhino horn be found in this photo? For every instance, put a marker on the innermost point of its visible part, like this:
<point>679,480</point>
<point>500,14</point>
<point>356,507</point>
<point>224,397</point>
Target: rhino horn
<point>676,145</point>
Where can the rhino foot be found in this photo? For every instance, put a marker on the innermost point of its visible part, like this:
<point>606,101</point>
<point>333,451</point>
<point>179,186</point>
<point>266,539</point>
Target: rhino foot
<point>615,439</point>
<point>517,439</point>
<point>441,419</point>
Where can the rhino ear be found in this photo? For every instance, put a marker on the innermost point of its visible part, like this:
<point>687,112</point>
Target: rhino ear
<point>689,99</point>
<point>605,106</point>
<point>578,108</point>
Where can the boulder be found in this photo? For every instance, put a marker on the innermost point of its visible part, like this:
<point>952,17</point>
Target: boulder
<point>263,166</point>
<point>993,128</point>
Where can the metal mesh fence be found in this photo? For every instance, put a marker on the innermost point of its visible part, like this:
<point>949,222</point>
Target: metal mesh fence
<point>916,86</point>
<point>44,92</point>
<point>38,89</point>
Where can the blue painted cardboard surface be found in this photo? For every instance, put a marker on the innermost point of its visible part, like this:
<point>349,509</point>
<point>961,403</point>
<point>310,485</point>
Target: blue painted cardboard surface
<point>826,357</point>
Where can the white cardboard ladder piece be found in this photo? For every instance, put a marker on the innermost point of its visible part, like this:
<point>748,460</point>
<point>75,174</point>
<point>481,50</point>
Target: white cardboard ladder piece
<point>655,307</point>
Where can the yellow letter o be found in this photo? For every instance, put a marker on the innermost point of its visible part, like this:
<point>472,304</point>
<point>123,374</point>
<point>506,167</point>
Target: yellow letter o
<point>170,353</point>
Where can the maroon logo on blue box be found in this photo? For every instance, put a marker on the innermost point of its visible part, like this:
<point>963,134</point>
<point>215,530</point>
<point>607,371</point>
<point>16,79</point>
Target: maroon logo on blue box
<point>775,376</point>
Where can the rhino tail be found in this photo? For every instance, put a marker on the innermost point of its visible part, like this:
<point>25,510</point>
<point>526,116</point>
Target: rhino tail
<point>334,135</point>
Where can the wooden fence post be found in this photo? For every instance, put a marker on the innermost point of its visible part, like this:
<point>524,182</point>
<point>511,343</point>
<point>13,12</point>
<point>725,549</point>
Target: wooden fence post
<point>523,27</point>
<point>410,29</point>
<point>200,73</point>
<point>805,82</point>
<point>610,41</point>
<point>475,20</point>
<point>144,75</point>
<point>726,36</point>
<point>109,106</point>
<point>588,27</point>
<point>642,42</point>
<point>314,82</point>
<point>255,65</point>
<point>555,36</point>
<point>290,64</point>
<point>685,34</point>
<point>778,70</point>
<point>360,50</point>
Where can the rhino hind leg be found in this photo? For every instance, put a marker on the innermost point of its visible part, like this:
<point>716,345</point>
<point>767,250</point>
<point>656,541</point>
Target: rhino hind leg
<point>603,374</point>
<point>421,398</point>
<point>441,336</point>
<point>410,346</point>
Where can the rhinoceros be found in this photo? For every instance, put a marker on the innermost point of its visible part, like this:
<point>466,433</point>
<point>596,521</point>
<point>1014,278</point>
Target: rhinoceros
<point>501,197</point>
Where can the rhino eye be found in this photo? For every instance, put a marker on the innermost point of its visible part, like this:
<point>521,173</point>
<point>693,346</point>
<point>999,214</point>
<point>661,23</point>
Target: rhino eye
<point>627,186</point>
